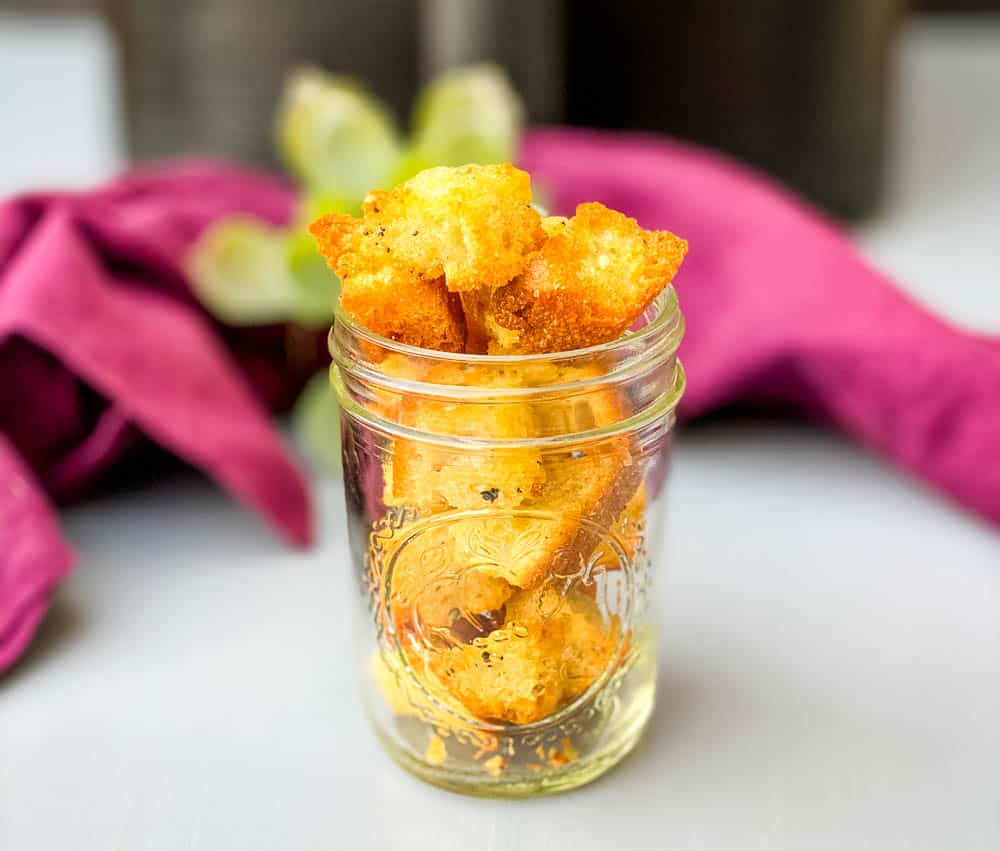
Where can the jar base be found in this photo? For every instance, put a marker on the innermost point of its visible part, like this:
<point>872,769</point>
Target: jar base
<point>627,732</point>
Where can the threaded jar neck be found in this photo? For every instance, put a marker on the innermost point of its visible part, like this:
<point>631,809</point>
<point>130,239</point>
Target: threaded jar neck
<point>511,400</point>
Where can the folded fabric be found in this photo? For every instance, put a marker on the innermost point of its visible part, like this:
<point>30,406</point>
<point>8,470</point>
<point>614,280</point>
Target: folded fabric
<point>781,309</point>
<point>103,347</point>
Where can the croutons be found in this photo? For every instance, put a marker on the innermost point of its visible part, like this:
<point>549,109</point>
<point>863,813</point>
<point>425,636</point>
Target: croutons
<point>437,476</point>
<point>383,296</point>
<point>471,227</point>
<point>457,259</point>
<point>591,279</point>
<point>510,504</point>
<point>550,649</point>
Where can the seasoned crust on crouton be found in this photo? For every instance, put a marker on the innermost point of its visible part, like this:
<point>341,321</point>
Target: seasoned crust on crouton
<point>383,296</point>
<point>500,678</point>
<point>473,225</point>
<point>551,648</point>
<point>420,313</point>
<point>481,325</point>
<point>434,477</point>
<point>591,279</point>
<point>527,285</point>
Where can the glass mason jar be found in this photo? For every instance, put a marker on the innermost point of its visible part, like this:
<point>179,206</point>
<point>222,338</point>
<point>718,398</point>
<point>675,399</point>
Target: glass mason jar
<point>503,515</point>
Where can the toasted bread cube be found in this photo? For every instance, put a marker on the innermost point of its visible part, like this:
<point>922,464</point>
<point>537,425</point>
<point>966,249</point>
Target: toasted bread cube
<point>551,648</point>
<point>502,677</point>
<point>418,313</point>
<point>554,224</point>
<point>383,295</point>
<point>574,630</point>
<point>474,225</point>
<point>588,643</point>
<point>405,693</point>
<point>591,279</point>
<point>436,476</point>
<point>571,498</point>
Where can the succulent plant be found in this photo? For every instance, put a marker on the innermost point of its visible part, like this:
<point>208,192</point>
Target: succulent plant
<point>338,141</point>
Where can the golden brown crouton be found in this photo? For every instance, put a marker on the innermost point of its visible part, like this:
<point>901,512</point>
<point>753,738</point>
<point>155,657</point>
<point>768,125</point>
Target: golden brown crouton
<point>474,225</point>
<point>550,649</point>
<point>434,476</point>
<point>420,313</point>
<point>383,296</point>
<point>481,324</point>
<point>591,279</point>
<point>502,677</point>
<point>576,631</point>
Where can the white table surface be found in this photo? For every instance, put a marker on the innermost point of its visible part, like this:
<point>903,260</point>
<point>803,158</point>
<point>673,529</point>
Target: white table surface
<point>830,641</point>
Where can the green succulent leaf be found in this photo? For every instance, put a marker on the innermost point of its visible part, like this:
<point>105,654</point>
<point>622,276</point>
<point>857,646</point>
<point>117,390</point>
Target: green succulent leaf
<point>334,137</point>
<point>239,271</point>
<point>314,286</point>
<point>316,424</point>
<point>469,115</point>
<point>340,142</point>
<point>312,206</point>
<point>411,162</point>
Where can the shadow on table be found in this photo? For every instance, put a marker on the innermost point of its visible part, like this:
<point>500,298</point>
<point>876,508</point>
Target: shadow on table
<point>59,628</point>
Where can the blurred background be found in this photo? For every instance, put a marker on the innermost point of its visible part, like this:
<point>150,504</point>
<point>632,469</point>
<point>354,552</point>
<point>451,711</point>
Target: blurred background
<point>803,90</point>
<point>832,626</point>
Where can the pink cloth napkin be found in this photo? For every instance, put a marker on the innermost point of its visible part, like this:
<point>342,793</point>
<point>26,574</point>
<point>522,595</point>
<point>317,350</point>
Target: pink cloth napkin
<point>781,309</point>
<point>103,347</point>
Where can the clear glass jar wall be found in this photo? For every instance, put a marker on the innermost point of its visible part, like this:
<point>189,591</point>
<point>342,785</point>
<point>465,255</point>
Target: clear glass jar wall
<point>503,515</point>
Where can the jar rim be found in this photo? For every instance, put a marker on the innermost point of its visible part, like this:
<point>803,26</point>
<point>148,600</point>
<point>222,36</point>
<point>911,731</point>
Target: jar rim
<point>627,360</point>
<point>664,405</point>
<point>665,304</point>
